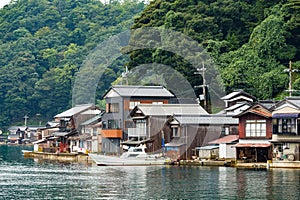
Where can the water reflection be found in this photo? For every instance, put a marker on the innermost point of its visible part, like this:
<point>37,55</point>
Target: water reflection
<point>26,179</point>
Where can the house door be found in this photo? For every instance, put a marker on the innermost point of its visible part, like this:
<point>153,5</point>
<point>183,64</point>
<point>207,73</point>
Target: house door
<point>262,154</point>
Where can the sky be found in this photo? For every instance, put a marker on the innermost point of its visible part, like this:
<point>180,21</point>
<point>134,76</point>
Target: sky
<point>3,3</point>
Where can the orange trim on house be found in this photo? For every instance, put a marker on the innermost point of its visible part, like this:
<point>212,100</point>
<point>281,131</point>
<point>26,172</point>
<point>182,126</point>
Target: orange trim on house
<point>112,133</point>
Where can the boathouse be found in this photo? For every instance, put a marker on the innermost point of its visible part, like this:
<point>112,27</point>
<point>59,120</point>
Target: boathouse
<point>255,133</point>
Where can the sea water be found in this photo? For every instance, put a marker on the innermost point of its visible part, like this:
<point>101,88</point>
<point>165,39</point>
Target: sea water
<point>28,178</point>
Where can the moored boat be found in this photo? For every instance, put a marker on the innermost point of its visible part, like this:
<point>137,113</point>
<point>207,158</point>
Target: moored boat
<point>135,156</point>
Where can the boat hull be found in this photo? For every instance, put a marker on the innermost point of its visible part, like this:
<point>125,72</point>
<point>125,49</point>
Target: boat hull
<point>102,160</point>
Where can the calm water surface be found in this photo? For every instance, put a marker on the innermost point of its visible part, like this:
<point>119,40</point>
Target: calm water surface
<point>31,179</point>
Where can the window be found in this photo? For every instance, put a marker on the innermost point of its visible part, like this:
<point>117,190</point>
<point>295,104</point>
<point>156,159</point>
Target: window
<point>112,108</point>
<point>175,132</point>
<point>112,124</point>
<point>285,125</point>
<point>225,130</point>
<point>158,102</point>
<point>94,131</point>
<point>132,104</point>
<point>129,124</point>
<point>256,128</point>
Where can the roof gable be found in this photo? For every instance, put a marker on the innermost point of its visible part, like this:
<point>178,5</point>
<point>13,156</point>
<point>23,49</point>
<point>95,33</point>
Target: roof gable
<point>257,109</point>
<point>235,94</point>
<point>286,108</point>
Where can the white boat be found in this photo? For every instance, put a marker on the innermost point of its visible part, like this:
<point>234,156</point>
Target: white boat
<point>133,157</point>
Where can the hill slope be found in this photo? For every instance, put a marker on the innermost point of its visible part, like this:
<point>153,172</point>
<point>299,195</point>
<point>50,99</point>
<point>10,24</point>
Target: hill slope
<point>251,42</point>
<point>42,45</point>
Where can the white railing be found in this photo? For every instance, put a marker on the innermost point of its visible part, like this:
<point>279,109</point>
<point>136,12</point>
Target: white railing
<point>137,132</point>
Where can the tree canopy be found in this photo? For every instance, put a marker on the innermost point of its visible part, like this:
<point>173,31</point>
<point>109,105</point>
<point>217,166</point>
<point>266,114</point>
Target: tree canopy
<point>42,46</point>
<point>250,42</point>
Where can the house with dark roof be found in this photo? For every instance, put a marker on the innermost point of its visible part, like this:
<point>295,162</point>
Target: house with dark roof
<point>255,133</point>
<point>189,133</point>
<point>120,101</point>
<point>150,124</point>
<point>89,138</point>
<point>57,139</point>
<point>286,129</point>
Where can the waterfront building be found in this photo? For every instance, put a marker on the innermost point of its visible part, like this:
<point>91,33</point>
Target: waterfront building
<point>89,138</point>
<point>120,101</point>
<point>153,125</point>
<point>222,148</point>
<point>196,132</point>
<point>255,133</point>
<point>286,129</point>
<point>57,139</point>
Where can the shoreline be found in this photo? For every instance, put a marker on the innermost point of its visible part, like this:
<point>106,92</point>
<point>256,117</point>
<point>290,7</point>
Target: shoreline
<point>232,163</point>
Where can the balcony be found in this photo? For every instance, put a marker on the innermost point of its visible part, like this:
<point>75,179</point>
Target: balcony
<point>112,133</point>
<point>288,129</point>
<point>137,132</point>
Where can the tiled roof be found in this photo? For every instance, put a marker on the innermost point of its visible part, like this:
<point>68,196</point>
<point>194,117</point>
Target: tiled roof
<point>141,91</point>
<point>225,139</point>
<point>207,119</point>
<point>235,94</point>
<point>92,120</point>
<point>171,109</point>
<point>73,111</point>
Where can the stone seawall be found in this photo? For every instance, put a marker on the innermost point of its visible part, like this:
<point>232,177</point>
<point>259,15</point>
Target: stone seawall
<point>63,157</point>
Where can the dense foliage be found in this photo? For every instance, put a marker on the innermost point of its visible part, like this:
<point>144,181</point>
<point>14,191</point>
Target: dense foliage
<point>42,46</point>
<point>250,42</point>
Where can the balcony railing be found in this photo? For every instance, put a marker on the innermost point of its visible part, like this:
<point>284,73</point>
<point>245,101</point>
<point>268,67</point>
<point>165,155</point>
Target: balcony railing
<point>112,133</point>
<point>137,132</point>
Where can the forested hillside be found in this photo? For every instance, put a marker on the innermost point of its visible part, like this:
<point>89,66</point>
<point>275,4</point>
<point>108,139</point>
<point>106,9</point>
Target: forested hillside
<point>251,42</point>
<point>44,42</point>
<point>42,45</point>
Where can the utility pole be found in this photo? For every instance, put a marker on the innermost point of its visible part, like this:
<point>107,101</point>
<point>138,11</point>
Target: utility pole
<point>25,120</point>
<point>202,72</point>
<point>290,71</point>
<point>125,74</point>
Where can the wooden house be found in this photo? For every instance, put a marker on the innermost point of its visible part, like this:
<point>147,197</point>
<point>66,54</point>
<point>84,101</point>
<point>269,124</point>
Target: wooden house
<point>69,125</point>
<point>152,124</point>
<point>255,133</point>
<point>88,139</point>
<point>286,129</point>
<point>186,134</point>
<point>120,101</point>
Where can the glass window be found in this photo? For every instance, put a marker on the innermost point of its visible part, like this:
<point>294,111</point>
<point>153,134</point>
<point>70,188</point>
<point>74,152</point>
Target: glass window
<point>175,132</point>
<point>112,124</point>
<point>112,108</point>
<point>256,128</point>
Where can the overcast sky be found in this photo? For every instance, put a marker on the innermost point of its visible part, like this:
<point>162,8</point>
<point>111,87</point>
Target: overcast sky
<point>3,3</point>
